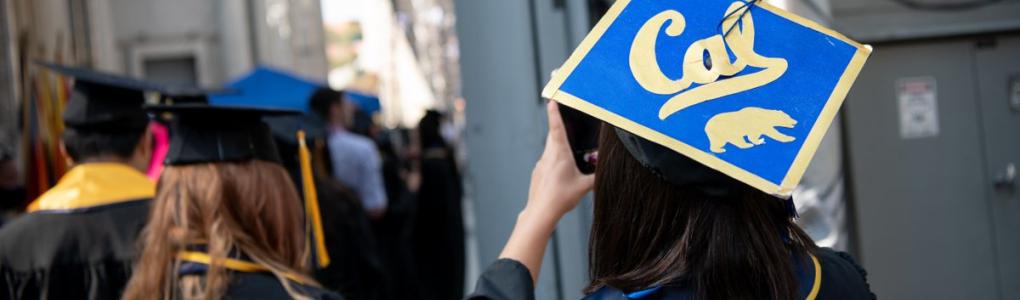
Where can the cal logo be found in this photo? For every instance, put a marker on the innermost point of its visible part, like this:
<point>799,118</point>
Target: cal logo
<point>743,87</point>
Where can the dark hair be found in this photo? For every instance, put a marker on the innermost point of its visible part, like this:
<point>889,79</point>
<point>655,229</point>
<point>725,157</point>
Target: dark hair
<point>428,130</point>
<point>322,100</point>
<point>648,232</point>
<point>82,144</point>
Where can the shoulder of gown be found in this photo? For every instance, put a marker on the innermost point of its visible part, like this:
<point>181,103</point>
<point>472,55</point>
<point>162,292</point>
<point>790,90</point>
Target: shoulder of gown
<point>842,277</point>
<point>87,254</point>
<point>267,286</point>
<point>504,279</point>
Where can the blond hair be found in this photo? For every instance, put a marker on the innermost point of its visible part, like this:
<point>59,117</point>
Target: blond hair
<point>251,207</point>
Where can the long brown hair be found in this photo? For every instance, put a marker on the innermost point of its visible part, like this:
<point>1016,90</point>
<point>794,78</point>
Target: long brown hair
<point>251,207</point>
<point>648,232</point>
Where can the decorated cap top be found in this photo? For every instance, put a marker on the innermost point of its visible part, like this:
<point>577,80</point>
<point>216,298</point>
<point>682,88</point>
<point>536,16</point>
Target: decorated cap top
<point>743,88</point>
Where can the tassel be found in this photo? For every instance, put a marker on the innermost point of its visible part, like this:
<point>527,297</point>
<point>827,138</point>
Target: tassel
<point>312,203</point>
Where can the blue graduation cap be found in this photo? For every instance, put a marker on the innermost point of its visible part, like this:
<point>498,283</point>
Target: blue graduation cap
<point>743,88</point>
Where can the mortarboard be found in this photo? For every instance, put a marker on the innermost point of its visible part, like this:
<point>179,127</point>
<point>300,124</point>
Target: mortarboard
<point>713,93</point>
<point>206,133</point>
<point>103,100</point>
<point>191,95</point>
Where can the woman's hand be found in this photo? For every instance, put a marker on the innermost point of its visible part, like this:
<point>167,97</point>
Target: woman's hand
<point>556,188</point>
<point>556,183</point>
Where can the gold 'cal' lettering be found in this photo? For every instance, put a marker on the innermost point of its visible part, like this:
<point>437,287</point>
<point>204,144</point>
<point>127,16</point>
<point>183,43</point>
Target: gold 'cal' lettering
<point>645,67</point>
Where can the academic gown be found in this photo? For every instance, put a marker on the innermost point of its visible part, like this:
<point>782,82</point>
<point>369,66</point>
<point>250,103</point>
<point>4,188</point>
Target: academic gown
<point>835,276</point>
<point>266,286</point>
<point>439,227</point>
<point>356,269</point>
<point>78,240</point>
<point>257,284</point>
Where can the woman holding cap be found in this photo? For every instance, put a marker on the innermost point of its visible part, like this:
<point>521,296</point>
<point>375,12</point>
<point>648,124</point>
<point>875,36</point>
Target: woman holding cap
<point>226,221</point>
<point>666,227</point>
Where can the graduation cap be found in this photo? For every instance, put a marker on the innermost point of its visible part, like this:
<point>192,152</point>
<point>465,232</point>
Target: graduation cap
<point>191,95</point>
<point>205,133</point>
<point>293,131</point>
<point>703,99</point>
<point>103,100</point>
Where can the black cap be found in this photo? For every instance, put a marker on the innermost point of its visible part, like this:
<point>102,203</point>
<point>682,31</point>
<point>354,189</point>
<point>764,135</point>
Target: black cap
<point>191,95</point>
<point>676,168</point>
<point>285,128</point>
<point>103,100</point>
<point>202,133</point>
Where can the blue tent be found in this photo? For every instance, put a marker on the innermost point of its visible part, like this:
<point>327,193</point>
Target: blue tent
<point>268,87</point>
<point>366,102</point>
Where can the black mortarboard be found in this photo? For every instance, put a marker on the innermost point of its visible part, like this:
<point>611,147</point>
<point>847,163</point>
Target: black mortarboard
<point>202,133</point>
<point>190,95</point>
<point>285,127</point>
<point>676,168</point>
<point>99,100</point>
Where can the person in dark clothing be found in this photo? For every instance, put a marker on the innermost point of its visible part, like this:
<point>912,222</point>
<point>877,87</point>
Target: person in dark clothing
<point>226,221</point>
<point>666,227</point>
<point>439,224</point>
<point>356,269</point>
<point>78,239</point>
<point>393,230</point>
<point>12,193</point>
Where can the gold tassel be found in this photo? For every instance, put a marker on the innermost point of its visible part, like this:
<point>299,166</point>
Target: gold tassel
<point>312,202</point>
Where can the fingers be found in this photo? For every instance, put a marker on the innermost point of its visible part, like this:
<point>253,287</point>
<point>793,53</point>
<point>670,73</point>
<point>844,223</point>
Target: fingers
<point>553,111</point>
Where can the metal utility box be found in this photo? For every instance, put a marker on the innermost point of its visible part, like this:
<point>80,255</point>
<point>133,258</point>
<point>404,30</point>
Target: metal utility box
<point>933,137</point>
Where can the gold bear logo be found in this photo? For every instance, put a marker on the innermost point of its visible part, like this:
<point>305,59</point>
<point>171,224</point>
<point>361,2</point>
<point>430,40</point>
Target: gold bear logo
<point>744,128</point>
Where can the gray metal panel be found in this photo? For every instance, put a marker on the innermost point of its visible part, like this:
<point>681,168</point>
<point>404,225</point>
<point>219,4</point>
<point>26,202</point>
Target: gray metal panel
<point>885,20</point>
<point>505,120</point>
<point>999,66</point>
<point>922,219</point>
<point>560,27</point>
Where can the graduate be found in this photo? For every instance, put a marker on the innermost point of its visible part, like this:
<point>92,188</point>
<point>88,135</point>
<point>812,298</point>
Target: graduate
<point>78,240</point>
<point>227,221</point>
<point>709,113</point>
<point>356,268</point>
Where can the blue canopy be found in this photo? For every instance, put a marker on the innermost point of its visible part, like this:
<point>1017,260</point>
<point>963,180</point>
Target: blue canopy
<point>367,103</point>
<point>268,87</point>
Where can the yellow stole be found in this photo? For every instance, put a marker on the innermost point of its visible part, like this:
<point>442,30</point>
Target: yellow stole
<point>95,184</point>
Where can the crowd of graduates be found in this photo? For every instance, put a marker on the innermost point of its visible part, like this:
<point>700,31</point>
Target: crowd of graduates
<point>164,192</point>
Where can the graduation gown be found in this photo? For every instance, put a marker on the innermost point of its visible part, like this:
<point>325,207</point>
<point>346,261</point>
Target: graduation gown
<point>439,227</point>
<point>832,275</point>
<point>78,240</point>
<point>356,269</point>
<point>248,280</point>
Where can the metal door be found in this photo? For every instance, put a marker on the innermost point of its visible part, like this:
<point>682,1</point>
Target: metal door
<point>998,83</point>
<point>924,225</point>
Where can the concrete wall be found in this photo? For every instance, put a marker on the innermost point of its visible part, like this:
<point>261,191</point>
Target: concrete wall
<point>227,38</point>
<point>885,20</point>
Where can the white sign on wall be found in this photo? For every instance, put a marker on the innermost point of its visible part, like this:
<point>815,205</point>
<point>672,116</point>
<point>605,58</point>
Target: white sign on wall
<point>918,106</point>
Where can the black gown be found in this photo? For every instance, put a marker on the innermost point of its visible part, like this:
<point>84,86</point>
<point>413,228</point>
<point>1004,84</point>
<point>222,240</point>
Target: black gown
<point>356,269</point>
<point>87,255</point>
<point>259,285</point>
<point>841,278</point>
<point>266,286</point>
<point>439,228</point>
<point>75,250</point>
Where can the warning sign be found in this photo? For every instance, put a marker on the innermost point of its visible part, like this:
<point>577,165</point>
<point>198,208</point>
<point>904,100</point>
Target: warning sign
<point>918,106</point>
